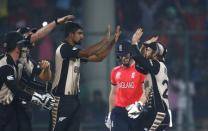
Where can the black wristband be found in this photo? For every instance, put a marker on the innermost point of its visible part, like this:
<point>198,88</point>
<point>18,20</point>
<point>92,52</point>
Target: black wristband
<point>56,21</point>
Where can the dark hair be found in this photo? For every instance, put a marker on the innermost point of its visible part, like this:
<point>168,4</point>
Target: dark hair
<point>12,40</point>
<point>152,45</point>
<point>71,27</point>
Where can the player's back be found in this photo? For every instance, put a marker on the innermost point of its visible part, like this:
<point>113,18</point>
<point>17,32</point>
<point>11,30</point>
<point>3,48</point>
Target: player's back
<point>162,83</point>
<point>158,115</point>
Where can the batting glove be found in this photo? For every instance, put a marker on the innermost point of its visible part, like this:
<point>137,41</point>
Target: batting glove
<point>47,101</point>
<point>134,110</point>
<point>108,120</point>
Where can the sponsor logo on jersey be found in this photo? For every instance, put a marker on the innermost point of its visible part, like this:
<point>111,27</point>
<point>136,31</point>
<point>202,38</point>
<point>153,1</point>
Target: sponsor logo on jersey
<point>118,75</point>
<point>11,77</point>
<point>76,69</point>
<point>74,48</point>
<point>133,75</point>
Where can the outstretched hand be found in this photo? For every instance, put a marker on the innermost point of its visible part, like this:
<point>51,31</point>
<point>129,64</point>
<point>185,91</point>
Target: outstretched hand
<point>136,37</point>
<point>117,33</point>
<point>65,19</point>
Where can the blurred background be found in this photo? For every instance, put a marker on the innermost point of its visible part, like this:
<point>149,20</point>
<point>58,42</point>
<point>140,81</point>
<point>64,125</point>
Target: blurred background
<point>180,24</point>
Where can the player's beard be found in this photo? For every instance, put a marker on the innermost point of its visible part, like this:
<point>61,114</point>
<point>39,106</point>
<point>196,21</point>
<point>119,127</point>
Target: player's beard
<point>126,64</point>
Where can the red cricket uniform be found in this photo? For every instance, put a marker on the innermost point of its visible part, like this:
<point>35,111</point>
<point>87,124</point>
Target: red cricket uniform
<point>128,84</point>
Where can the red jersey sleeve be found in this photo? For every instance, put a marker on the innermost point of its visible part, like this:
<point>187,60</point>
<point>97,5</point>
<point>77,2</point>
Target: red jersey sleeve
<point>113,73</point>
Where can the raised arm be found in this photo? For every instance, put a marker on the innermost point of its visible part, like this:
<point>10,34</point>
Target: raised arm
<point>105,50</point>
<point>137,56</point>
<point>42,32</point>
<point>94,48</point>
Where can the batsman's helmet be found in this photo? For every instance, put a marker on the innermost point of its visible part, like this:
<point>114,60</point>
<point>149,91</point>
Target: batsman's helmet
<point>123,48</point>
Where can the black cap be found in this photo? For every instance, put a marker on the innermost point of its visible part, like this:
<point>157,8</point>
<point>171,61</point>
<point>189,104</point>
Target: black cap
<point>12,40</point>
<point>152,45</point>
<point>123,47</point>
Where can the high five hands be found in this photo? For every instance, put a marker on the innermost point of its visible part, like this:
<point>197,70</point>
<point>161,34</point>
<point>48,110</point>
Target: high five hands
<point>136,37</point>
<point>117,33</point>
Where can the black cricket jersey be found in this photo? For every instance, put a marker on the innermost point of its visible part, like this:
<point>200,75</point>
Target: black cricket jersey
<point>67,70</point>
<point>28,71</point>
<point>8,79</point>
<point>157,81</point>
<point>156,78</point>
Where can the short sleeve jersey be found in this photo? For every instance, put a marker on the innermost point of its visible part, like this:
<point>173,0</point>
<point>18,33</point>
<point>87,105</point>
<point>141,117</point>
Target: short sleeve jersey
<point>67,74</point>
<point>128,83</point>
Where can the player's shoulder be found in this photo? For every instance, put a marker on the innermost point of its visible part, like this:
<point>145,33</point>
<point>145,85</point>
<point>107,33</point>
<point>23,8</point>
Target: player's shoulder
<point>163,68</point>
<point>6,69</point>
<point>162,64</point>
<point>116,68</point>
<point>66,47</point>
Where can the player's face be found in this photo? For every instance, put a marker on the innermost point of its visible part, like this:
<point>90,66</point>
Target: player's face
<point>125,60</point>
<point>78,36</point>
<point>24,52</point>
<point>16,53</point>
<point>147,52</point>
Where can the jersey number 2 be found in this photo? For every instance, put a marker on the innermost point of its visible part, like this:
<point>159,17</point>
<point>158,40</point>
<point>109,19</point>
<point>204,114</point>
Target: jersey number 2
<point>165,94</point>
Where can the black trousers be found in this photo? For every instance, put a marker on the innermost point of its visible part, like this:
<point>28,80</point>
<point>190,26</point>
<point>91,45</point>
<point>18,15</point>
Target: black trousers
<point>24,116</point>
<point>65,116</point>
<point>8,121</point>
<point>121,121</point>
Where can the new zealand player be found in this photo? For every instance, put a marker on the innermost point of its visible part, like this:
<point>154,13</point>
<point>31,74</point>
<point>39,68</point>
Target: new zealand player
<point>66,114</point>
<point>126,89</point>
<point>29,71</point>
<point>9,91</point>
<point>33,35</point>
<point>158,116</point>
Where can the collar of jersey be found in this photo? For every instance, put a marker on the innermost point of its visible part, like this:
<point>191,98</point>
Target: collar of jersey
<point>65,42</point>
<point>10,60</point>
